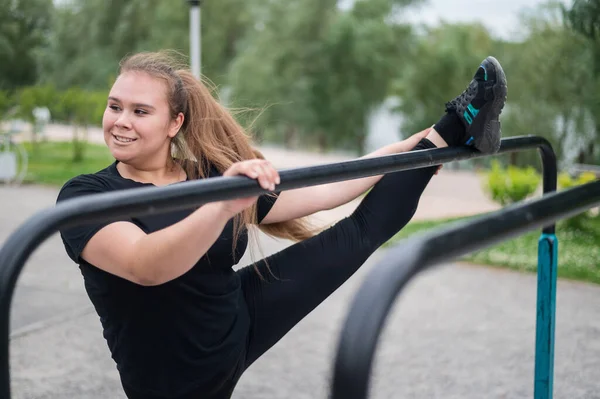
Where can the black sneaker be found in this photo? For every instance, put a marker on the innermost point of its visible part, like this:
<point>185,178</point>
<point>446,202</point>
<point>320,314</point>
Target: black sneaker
<point>480,105</point>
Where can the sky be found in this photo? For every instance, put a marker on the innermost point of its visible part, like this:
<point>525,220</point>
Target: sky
<point>499,16</point>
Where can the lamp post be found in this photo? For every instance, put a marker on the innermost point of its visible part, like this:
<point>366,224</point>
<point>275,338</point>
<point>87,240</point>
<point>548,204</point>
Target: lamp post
<point>195,38</point>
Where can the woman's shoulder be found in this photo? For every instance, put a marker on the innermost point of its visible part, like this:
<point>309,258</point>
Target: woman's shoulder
<point>89,183</point>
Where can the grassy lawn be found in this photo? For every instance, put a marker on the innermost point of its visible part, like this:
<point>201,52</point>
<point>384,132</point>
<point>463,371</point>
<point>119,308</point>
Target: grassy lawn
<point>51,162</point>
<point>578,249</point>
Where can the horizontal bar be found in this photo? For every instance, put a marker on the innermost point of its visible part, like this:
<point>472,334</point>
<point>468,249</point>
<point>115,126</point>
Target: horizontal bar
<point>375,297</point>
<point>153,200</point>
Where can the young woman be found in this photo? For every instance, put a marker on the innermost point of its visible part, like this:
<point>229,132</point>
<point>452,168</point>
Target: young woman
<point>178,320</point>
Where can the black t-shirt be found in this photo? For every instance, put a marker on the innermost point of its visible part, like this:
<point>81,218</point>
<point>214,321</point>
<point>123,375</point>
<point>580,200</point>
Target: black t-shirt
<point>174,337</point>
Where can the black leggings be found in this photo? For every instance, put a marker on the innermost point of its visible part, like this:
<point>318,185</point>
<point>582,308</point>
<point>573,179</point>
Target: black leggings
<point>309,271</point>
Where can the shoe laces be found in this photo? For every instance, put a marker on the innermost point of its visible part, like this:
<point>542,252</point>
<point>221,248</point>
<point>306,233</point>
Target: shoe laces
<point>461,102</point>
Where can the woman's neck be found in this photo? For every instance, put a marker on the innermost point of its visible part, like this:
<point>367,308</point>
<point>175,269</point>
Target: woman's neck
<point>159,175</point>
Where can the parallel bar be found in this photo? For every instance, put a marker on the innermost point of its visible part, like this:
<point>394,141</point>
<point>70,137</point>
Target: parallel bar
<point>546,316</point>
<point>152,200</point>
<point>384,283</point>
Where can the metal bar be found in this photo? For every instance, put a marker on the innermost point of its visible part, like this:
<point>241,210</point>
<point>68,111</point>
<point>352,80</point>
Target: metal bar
<point>545,316</point>
<point>384,283</point>
<point>153,200</point>
<point>550,176</point>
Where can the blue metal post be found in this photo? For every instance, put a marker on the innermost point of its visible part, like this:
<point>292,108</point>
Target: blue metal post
<point>546,310</point>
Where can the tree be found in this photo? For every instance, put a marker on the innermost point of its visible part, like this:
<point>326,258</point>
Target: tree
<point>319,70</point>
<point>31,97</point>
<point>79,51</point>
<point>547,73</point>
<point>584,18</point>
<point>365,55</point>
<point>23,27</point>
<point>82,108</point>
<point>550,71</point>
<point>273,72</point>
<point>89,37</point>
<point>443,63</point>
<point>6,104</point>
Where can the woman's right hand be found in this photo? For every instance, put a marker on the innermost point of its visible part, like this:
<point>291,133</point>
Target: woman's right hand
<point>258,169</point>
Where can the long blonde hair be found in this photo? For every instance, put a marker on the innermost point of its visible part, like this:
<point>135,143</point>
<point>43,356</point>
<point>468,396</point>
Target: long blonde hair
<point>209,135</point>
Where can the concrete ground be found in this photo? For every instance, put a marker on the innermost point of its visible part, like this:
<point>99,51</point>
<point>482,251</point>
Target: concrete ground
<point>459,331</point>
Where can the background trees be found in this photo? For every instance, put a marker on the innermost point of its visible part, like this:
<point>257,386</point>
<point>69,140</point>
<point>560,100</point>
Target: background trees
<point>310,73</point>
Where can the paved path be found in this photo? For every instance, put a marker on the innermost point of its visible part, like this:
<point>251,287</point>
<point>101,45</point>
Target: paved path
<point>459,331</point>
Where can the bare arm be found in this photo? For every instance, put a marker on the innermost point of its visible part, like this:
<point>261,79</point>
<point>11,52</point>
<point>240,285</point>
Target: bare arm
<point>123,249</point>
<point>305,201</point>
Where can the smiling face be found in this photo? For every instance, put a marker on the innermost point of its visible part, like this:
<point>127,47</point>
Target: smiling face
<point>138,124</point>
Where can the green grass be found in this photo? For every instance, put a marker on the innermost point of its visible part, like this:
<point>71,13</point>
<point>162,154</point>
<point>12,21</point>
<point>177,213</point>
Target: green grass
<point>51,163</point>
<point>578,249</point>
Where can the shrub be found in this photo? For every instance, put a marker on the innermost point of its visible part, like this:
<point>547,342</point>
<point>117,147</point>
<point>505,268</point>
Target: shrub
<point>510,185</point>
<point>565,181</point>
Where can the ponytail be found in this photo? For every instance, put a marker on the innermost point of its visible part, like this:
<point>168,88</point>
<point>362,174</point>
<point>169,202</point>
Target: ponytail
<point>213,136</point>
